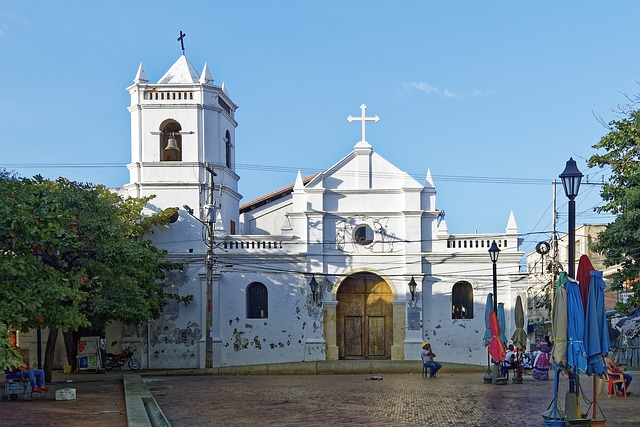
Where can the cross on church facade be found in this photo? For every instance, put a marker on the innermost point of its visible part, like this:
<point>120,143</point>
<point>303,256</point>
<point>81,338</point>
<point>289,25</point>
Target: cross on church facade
<point>363,119</point>
<point>181,40</point>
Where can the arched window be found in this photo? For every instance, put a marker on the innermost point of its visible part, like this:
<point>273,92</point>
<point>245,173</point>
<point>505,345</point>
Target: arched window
<point>227,147</point>
<point>257,301</point>
<point>462,301</point>
<point>170,129</point>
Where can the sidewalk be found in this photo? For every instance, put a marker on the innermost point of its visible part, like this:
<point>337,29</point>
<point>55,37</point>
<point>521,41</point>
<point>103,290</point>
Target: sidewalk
<point>99,402</point>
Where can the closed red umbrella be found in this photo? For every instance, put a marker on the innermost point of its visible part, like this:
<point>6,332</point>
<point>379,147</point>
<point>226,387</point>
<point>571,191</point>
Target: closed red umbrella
<point>583,276</point>
<point>496,349</point>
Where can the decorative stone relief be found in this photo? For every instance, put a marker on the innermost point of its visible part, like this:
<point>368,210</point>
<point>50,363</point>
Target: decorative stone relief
<point>352,235</point>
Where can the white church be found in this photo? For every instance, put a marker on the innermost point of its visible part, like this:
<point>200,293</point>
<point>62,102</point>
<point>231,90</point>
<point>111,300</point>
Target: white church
<point>355,262</point>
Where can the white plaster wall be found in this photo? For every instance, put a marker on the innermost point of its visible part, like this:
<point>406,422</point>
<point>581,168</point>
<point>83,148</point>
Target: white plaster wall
<point>461,340</point>
<point>279,338</point>
<point>173,340</point>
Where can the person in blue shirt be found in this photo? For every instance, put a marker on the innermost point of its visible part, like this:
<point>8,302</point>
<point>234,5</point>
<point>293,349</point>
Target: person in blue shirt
<point>427,360</point>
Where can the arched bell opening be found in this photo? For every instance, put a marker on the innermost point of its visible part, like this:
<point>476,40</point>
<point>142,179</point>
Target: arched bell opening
<point>170,141</point>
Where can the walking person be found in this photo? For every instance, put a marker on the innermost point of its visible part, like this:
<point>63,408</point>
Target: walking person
<point>427,360</point>
<point>542,360</point>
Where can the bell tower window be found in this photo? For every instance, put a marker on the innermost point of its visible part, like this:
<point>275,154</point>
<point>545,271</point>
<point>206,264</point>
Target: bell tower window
<point>227,147</point>
<point>170,141</point>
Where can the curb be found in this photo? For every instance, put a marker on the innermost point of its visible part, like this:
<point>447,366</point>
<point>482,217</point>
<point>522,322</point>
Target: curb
<point>142,409</point>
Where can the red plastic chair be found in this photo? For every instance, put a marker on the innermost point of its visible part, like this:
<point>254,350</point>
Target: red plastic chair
<point>612,381</point>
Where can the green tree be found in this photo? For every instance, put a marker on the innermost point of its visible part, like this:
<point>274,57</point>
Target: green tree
<point>39,283</point>
<point>620,241</point>
<point>115,271</point>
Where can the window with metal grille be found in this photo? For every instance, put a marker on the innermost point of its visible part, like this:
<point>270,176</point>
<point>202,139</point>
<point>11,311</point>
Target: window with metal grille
<point>257,301</point>
<point>462,301</point>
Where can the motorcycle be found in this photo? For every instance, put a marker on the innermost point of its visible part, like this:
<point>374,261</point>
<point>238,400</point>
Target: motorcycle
<point>118,360</point>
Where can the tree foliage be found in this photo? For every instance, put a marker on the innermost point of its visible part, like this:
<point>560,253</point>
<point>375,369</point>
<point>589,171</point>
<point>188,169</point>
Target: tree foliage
<point>74,255</point>
<point>37,292</point>
<point>620,241</point>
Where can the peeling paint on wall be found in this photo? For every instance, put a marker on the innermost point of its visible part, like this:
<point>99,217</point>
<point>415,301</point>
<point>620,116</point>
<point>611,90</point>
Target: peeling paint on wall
<point>239,342</point>
<point>257,343</point>
<point>166,332</point>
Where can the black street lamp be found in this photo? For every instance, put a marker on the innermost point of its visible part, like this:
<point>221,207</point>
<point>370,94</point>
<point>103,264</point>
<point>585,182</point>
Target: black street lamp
<point>412,288</point>
<point>494,252</point>
<point>571,178</point>
<point>313,284</point>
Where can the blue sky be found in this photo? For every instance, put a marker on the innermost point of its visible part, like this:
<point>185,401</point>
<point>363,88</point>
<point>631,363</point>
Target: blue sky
<point>493,97</point>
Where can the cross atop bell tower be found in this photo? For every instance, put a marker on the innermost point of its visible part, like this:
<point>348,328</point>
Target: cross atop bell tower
<point>181,40</point>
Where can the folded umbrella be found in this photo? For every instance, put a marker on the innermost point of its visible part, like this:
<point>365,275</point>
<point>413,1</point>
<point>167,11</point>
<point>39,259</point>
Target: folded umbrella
<point>584,278</point>
<point>576,353</point>
<point>488,308</point>
<point>519,337</point>
<point>559,323</point>
<point>496,349</point>
<point>596,329</point>
<point>502,324</point>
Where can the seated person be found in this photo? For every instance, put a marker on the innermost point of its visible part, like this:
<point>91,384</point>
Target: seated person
<point>427,360</point>
<point>614,371</point>
<point>35,376</point>
<point>510,359</point>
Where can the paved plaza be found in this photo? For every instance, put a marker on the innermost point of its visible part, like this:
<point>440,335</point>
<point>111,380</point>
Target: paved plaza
<point>455,399</point>
<point>399,399</point>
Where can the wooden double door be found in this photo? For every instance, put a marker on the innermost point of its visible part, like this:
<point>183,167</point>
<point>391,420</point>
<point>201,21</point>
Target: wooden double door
<point>364,318</point>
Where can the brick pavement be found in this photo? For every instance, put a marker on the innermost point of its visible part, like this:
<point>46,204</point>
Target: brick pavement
<point>400,399</point>
<point>460,399</point>
<point>99,403</point>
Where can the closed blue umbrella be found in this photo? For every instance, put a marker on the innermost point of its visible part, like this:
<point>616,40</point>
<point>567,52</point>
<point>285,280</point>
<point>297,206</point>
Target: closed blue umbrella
<point>488,308</point>
<point>596,332</point>
<point>576,353</point>
<point>596,329</point>
<point>502,322</point>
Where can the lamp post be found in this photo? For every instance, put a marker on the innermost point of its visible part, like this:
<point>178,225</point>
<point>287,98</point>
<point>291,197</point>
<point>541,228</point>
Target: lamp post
<point>412,288</point>
<point>313,284</point>
<point>494,252</point>
<point>571,178</point>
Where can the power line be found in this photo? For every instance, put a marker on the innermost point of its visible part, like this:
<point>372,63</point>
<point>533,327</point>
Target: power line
<point>293,170</point>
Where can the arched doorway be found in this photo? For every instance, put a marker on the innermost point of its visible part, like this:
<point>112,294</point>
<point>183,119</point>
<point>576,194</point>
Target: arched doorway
<point>364,317</point>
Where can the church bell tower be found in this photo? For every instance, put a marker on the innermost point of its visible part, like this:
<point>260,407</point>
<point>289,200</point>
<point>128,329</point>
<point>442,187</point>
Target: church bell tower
<point>183,144</point>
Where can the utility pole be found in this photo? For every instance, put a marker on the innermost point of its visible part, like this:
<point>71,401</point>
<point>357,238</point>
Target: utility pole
<point>210,220</point>
<point>556,255</point>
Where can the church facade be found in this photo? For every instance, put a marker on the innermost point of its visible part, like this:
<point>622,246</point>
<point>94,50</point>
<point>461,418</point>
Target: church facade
<point>355,262</point>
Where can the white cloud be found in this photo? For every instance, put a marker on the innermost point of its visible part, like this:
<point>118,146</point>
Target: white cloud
<point>434,90</point>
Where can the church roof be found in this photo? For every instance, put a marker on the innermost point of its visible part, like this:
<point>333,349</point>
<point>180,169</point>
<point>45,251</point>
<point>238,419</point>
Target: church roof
<point>180,72</point>
<point>270,197</point>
